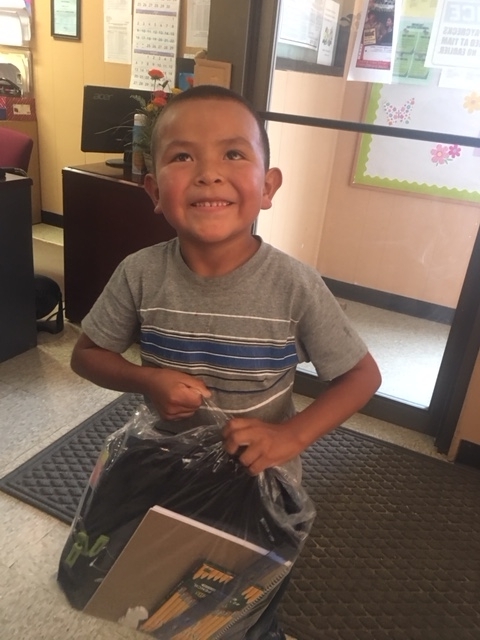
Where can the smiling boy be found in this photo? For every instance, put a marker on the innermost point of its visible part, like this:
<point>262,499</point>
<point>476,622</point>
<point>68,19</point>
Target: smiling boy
<point>219,312</point>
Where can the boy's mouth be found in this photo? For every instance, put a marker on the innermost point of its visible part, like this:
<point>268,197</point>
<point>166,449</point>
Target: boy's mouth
<point>211,203</point>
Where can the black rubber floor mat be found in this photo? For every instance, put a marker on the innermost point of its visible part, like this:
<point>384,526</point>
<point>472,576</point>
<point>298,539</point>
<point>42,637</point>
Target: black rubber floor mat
<point>394,553</point>
<point>54,479</point>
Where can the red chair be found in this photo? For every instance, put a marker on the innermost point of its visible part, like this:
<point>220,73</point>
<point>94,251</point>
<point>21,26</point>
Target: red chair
<point>15,149</point>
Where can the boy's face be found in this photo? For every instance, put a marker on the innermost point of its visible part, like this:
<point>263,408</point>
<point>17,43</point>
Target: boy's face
<point>210,180</point>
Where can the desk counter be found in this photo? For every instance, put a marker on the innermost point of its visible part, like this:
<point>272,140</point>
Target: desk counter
<point>18,324</point>
<point>107,216</point>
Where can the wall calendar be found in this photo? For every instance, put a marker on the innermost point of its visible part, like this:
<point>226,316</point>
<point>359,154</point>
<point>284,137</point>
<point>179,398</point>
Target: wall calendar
<point>155,35</point>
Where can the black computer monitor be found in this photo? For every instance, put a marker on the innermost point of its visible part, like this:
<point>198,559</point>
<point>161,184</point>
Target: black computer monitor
<point>107,120</point>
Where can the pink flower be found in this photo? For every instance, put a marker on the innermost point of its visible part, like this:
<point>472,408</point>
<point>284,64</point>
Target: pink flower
<point>440,154</point>
<point>454,150</point>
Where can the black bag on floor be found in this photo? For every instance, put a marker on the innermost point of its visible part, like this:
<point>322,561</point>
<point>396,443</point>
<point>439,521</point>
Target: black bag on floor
<point>48,304</point>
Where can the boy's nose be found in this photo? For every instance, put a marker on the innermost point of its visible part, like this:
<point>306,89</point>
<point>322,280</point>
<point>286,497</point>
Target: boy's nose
<point>208,173</point>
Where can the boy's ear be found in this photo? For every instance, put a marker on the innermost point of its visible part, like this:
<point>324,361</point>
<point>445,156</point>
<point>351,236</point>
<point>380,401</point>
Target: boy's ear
<point>273,182</point>
<point>151,187</point>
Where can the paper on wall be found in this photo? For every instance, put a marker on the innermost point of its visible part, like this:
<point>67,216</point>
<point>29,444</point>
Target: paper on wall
<point>328,35</point>
<point>198,17</point>
<point>12,4</point>
<point>11,32</point>
<point>455,40</point>
<point>411,51</point>
<point>155,34</point>
<point>301,22</point>
<point>117,31</point>
<point>375,42</point>
<point>453,78</point>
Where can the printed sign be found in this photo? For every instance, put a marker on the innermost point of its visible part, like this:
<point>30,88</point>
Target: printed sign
<point>455,40</point>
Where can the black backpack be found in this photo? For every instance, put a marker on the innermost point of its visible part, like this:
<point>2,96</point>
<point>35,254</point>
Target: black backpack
<point>48,298</point>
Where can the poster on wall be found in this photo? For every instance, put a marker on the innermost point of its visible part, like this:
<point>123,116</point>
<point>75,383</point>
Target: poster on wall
<point>301,22</point>
<point>15,23</point>
<point>410,55</point>
<point>429,168</point>
<point>117,31</point>
<point>155,35</point>
<point>198,17</point>
<point>455,40</point>
<point>328,34</point>
<point>415,30</point>
<point>311,25</point>
<point>375,43</point>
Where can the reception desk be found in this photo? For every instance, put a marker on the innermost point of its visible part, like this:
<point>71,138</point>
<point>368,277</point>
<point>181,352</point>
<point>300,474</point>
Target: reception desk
<point>107,216</point>
<point>18,324</point>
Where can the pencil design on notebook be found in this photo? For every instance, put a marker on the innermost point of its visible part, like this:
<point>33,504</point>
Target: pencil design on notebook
<point>219,620</point>
<point>205,580</point>
<point>205,628</point>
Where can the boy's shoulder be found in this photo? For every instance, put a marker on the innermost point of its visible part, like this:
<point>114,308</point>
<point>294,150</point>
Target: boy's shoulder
<point>155,252</point>
<point>293,266</point>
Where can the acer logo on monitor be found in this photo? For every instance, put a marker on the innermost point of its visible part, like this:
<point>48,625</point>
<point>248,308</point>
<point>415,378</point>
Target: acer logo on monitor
<point>102,96</point>
<point>107,118</point>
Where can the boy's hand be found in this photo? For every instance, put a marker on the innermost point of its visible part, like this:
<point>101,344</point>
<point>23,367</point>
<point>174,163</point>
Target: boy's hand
<point>175,394</point>
<point>260,445</point>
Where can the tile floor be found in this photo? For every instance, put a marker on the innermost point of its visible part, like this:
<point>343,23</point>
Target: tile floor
<point>41,399</point>
<point>390,335</point>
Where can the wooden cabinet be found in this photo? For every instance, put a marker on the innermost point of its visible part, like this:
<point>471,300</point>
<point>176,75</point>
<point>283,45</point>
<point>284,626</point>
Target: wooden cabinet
<point>107,216</point>
<point>18,325</point>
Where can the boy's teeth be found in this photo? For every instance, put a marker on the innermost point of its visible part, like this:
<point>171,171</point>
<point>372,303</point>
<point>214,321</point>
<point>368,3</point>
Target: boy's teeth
<point>211,204</point>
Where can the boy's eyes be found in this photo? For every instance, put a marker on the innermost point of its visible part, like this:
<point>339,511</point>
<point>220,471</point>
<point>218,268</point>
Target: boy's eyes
<point>233,154</point>
<point>183,156</point>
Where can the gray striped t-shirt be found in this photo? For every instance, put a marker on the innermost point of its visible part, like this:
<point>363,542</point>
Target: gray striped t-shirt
<point>243,333</point>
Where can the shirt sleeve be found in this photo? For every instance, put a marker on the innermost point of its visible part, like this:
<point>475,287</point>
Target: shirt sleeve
<point>326,336</point>
<point>113,321</point>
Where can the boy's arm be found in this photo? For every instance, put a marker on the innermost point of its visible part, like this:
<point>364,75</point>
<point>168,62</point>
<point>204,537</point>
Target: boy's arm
<point>265,445</point>
<point>174,394</point>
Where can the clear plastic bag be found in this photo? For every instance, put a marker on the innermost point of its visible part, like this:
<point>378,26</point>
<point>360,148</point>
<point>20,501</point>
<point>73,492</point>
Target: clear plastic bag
<point>174,537</point>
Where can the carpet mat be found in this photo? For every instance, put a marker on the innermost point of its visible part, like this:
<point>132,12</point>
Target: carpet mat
<point>394,553</point>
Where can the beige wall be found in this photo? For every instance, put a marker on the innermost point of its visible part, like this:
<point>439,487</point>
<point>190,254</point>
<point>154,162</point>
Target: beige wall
<point>305,156</point>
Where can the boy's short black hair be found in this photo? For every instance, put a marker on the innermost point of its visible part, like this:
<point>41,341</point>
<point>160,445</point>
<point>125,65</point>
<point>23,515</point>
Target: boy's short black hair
<point>206,92</point>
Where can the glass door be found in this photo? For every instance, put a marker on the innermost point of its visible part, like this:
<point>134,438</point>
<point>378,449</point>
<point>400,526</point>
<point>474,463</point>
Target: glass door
<point>379,195</point>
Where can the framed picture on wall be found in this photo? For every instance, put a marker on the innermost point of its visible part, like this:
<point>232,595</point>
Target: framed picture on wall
<point>65,19</point>
<point>428,168</point>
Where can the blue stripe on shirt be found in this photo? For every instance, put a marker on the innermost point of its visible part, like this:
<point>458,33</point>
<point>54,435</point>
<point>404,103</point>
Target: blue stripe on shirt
<point>195,351</point>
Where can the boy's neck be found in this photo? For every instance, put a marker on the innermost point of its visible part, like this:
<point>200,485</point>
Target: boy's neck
<point>218,260</point>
